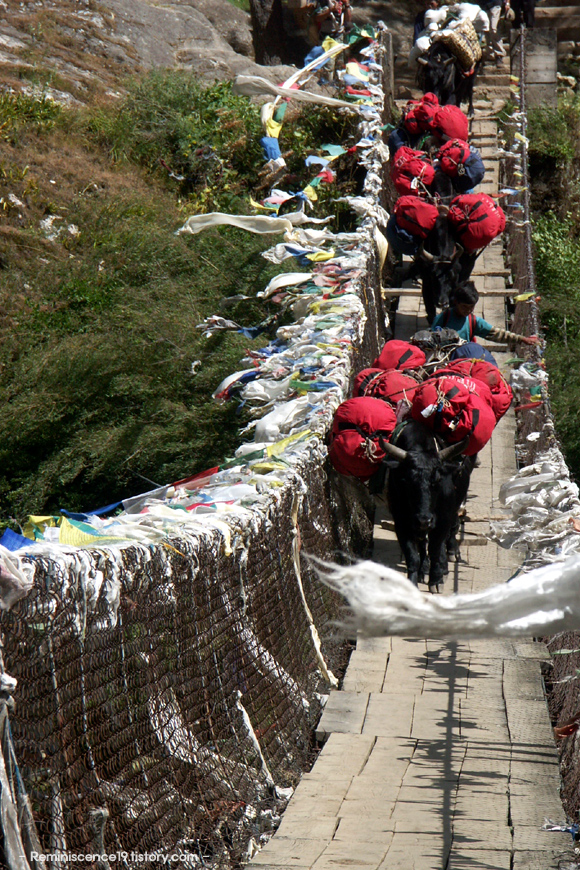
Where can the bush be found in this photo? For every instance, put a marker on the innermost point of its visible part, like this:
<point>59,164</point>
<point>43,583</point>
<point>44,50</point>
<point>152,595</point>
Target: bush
<point>557,256</point>
<point>554,156</point>
<point>99,327</point>
<point>97,384</point>
<point>207,137</point>
<point>553,132</point>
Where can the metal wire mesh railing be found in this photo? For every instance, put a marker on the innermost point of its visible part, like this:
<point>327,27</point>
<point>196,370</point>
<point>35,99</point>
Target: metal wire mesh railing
<point>165,718</point>
<point>536,420</point>
<point>533,413</point>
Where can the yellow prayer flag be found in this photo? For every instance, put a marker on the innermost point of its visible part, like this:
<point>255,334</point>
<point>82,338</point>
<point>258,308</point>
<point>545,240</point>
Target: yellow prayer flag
<point>310,193</point>
<point>35,525</point>
<point>320,256</point>
<point>280,446</point>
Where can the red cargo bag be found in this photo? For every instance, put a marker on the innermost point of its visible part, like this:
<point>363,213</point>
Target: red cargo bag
<point>354,440</point>
<point>470,383</point>
<point>476,219</point>
<point>462,163</point>
<point>411,171</point>
<point>450,123</point>
<point>399,355</point>
<point>454,411</point>
<point>390,386</point>
<point>482,370</point>
<point>419,114</point>
<point>415,215</point>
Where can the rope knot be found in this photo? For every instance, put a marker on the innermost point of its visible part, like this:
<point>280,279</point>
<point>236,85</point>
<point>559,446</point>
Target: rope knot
<point>372,450</point>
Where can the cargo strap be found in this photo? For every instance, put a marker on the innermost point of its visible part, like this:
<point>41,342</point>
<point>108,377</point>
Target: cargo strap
<point>372,448</point>
<point>368,381</point>
<point>472,323</point>
<point>342,427</point>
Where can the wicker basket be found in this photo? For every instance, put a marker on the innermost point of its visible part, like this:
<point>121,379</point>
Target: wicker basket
<point>464,43</point>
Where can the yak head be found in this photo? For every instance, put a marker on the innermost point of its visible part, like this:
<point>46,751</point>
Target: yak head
<point>439,265</point>
<point>441,188</point>
<point>419,471</point>
<point>437,73</point>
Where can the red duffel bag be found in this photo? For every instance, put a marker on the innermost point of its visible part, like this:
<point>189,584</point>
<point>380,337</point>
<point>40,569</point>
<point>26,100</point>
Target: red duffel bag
<point>482,370</point>
<point>354,440</point>
<point>476,219</point>
<point>390,386</point>
<point>399,355</point>
<point>450,123</point>
<point>462,163</point>
<point>415,215</point>
<point>470,383</point>
<point>454,411</point>
<point>419,114</point>
<point>411,171</point>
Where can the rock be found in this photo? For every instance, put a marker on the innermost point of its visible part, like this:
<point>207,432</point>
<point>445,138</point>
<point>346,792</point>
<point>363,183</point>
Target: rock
<point>178,34</point>
<point>566,81</point>
<point>231,23</point>
<point>405,93</point>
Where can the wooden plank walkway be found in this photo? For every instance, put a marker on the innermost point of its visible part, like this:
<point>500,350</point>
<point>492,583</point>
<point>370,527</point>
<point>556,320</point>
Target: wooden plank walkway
<point>437,755</point>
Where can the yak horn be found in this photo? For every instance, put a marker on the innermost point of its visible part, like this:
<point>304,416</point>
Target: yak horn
<point>448,61</point>
<point>395,452</point>
<point>425,255</point>
<point>454,450</point>
<point>423,61</point>
<point>459,250</point>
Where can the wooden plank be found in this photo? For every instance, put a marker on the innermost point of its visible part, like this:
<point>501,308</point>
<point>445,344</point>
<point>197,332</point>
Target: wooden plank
<point>541,77</point>
<point>541,60</point>
<point>389,292</point>
<point>541,73</point>
<point>344,713</point>
<point>567,33</point>
<point>566,13</point>
<point>566,29</point>
<point>558,4</point>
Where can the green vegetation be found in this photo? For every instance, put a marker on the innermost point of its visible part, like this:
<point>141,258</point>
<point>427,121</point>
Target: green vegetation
<point>20,111</point>
<point>555,164</point>
<point>210,136</point>
<point>100,300</point>
<point>553,131</point>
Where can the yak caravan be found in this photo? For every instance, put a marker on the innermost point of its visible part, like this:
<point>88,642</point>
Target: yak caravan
<point>460,765</point>
<point>170,656</point>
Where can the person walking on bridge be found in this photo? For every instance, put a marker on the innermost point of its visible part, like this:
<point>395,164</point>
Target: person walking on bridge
<point>460,317</point>
<point>525,11</point>
<point>494,9</point>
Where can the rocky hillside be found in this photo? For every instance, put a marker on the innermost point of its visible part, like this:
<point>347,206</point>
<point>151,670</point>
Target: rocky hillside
<point>76,49</point>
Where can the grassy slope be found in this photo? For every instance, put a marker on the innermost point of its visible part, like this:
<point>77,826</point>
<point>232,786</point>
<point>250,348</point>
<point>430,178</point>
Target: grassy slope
<point>98,329</point>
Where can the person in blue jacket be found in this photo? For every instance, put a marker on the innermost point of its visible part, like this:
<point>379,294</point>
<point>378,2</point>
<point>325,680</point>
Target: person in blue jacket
<point>460,317</point>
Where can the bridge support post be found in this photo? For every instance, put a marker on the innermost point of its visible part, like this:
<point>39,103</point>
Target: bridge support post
<point>388,75</point>
<point>541,65</point>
